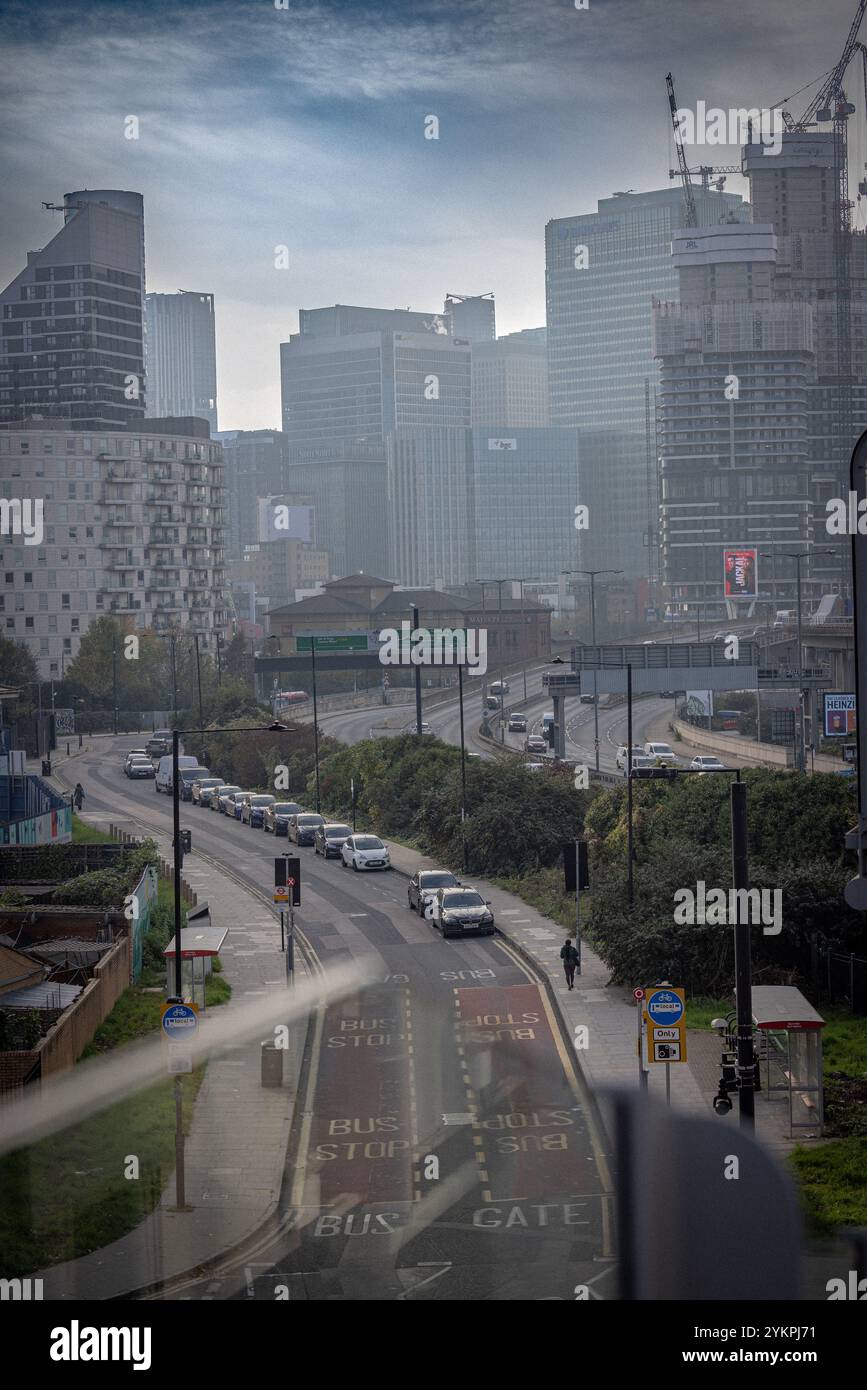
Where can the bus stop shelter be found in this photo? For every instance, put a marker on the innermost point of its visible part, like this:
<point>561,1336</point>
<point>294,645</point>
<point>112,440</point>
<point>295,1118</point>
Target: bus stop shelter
<point>790,1055</point>
<point>200,941</point>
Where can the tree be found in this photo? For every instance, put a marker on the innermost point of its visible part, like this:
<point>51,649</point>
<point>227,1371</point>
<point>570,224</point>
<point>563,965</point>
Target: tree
<point>142,666</point>
<point>17,665</point>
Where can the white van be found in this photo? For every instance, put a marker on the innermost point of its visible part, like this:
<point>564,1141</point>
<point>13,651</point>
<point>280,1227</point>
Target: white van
<point>163,780</point>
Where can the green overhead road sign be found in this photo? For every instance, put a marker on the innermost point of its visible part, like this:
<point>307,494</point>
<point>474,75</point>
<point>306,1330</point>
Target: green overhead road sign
<point>334,642</point>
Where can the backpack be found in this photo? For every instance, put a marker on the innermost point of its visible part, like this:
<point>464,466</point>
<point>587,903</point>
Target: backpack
<point>567,951</point>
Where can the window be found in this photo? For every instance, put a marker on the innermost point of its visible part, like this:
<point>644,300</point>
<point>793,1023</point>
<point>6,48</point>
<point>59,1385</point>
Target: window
<point>64,602</point>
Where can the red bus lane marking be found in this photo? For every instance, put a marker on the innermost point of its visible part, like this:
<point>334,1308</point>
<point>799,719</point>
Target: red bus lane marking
<point>535,1138</point>
<point>360,1149</point>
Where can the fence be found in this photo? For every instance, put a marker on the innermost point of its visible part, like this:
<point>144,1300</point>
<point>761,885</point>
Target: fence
<point>53,863</point>
<point>839,978</point>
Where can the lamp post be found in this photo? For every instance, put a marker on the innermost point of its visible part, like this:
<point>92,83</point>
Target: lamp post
<point>591,575</point>
<point>315,718</point>
<point>114,679</point>
<point>798,556</point>
<point>463,770</point>
<point>417,681</point>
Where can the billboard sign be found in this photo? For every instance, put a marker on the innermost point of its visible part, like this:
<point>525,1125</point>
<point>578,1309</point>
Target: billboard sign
<point>278,521</point>
<point>740,573</point>
<point>699,703</point>
<point>840,715</point>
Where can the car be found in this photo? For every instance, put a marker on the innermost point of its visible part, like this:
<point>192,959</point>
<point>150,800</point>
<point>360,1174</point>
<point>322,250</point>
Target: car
<point>412,728</point>
<point>499,688</point>
<point>492,702</point>
<point>330,837</point>
<point>204,788</point>
<point>277,817</point>
<point>424,884</point>
<point>302,827</point>
<point>159,743</point>
<point>623,754</point>
<point>534,767</point>
<point>517,724</point>
<point>587,699</point>
<point>535,743</point>
<point>237,807</point>
<point>458,911</point>
<point>641,760</point>
<point>188,776</point>
<point>721,635</point>
<point>224,795</point>
<point>138,765</point>
<point>253,809</point>
<point>163,782</point>
<point>662,754</point>
<point>365,852</point>
<point>847,772</point>
<point>704,762</point>
<point>136,753</point>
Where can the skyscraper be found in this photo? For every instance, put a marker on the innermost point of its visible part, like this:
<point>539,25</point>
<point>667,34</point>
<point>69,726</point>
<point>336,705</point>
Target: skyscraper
<point>71,336</point>
<point>181,359</point>
<point>256,463</point>
<point>510,382</point>
<point>603,271</point>
<point>471,316</point>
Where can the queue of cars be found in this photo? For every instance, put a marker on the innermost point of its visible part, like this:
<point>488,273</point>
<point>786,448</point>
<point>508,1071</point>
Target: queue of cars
<point>453,908</point>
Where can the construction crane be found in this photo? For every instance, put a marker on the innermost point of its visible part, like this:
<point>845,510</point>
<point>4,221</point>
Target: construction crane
<point>689,200</point>
<point>706,173</point>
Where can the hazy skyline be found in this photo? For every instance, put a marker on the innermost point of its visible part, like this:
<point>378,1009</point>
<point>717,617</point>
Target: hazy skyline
<point>261,127</point>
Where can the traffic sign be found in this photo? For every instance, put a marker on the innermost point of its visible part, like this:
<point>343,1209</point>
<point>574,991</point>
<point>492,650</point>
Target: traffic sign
<point>179,1021</point>
<point>638,994</point>
<point>665,1034</point>
<point>667,1052</point>
<point>287,879</point>
<point>180,1059</point>
<point>665,1006</point>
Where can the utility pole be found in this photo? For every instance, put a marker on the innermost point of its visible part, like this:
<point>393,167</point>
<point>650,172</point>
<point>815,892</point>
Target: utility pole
<point>199,684</point>
<point>315,718</point>
<point>591,574</point>
<point>114,678</point>
<point>743,964</point>
<point>417,682</point>
<point>463,770</point>
<point>798,556</point>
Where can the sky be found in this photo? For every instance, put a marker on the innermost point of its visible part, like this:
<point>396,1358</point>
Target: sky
<point>301,124</point>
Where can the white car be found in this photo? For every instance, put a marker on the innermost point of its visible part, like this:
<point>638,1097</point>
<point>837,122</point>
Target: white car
<point>365,852</point>
<point>662,754</point>
<point>706,763</point>
<point>138,765</point>
<point>534,767</point>
<point>623,754</point>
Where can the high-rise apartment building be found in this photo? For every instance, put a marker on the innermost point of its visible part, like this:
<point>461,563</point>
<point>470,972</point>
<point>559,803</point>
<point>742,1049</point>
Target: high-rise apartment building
<point>71,333</point>
<point>181,357</point>
<point>471,316</point>
<point>132,525</point>
<point>510,382</point>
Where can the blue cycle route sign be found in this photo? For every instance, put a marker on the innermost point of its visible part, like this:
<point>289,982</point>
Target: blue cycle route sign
<point>664,1006</point>
<point>179,1022</point>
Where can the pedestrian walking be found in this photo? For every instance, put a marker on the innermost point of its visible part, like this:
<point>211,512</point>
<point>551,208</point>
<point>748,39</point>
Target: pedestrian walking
<point>78,795</point>
<point>570,959</point>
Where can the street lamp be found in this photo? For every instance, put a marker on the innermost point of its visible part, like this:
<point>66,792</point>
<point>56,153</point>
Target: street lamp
<point>591,575</point>
<point>798,556</point>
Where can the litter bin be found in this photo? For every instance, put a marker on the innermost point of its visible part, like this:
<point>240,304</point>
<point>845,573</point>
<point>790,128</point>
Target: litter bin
<point>186,841</point>
<point>46,767</point>
<point>272,1064</point>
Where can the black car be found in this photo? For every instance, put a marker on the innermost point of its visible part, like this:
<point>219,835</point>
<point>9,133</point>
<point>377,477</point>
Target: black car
<point>330,838</point>
<point>278,816</point>
<point>187,776</point>
<point>302,828</point>
<point>159,743</point>
<point>424,884</point>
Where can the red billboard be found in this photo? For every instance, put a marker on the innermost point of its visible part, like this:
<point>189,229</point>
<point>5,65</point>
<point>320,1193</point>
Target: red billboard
<point>740,573</point>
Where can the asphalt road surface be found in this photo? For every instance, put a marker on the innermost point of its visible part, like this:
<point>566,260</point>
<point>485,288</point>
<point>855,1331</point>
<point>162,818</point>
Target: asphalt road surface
<point>443,1144</point>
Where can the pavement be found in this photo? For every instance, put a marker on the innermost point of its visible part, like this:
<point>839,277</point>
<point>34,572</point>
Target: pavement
<point>236,1149</point>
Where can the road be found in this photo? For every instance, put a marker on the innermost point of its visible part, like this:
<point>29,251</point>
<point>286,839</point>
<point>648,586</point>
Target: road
<point>444,1146</point>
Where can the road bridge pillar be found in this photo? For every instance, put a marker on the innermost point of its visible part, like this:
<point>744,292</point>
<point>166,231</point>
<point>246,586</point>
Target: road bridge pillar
<point>559,725</point>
